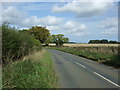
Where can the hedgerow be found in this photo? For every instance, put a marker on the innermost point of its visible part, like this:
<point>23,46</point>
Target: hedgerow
<point>16,44</point>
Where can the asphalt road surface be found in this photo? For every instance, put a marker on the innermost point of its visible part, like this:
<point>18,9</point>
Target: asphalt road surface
<point>77,72</point>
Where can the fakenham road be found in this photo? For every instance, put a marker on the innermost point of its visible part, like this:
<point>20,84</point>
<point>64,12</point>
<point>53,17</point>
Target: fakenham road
<point>77,72</point>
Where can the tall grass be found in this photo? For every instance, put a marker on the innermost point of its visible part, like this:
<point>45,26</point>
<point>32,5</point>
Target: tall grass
<point>33,71</point>
<point>102,56</point>
<point>15,44</point>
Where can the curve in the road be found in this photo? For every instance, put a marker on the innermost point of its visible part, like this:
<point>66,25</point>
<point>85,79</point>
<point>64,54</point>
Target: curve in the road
<point>77,72</point>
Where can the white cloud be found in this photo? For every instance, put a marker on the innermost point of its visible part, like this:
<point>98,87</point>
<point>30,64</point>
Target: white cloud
<point>58,0</point>
<point>83,9</point>
<point>21,0</point>
<point>109,23</point>
<point>55,24</point>
<point>20,18</point>
<point>77,29</point>
<point>44,21</point>
<point>81,33</point>
<point>69,28</point>
<point>110,26</point>
<point>110,31</point>
<point>13,15</point>
<point>54,28</point>
<point>73,26</point>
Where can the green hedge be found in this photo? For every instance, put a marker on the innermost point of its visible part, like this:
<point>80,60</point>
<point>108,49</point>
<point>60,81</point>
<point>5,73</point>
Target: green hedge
<point>16,45</point>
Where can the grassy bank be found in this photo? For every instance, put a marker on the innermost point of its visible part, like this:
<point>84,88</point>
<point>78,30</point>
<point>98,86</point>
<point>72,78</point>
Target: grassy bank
<point>105,58</point>
<point>33,71</point>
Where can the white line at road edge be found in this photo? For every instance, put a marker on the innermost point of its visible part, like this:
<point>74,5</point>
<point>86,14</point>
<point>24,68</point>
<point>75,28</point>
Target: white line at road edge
<point>106,79</point>
<point>80,64</point>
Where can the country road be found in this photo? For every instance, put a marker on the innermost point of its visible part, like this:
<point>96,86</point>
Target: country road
<point>77,72</point>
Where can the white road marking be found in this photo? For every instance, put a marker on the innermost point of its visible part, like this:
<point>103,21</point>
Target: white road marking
<point>80,64</point>
<point>106,79</point>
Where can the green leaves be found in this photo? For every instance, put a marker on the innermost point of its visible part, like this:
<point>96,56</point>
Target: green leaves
<point>16,44</point>
<point>59,39</point>
<point>40,33</point>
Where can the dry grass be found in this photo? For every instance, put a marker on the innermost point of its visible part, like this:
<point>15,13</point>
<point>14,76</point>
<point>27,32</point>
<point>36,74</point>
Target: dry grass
<point>97,48</point>
<point>30,73</point>
<point>91,45</point>
<point>86,45</point>
<point>36,56</point>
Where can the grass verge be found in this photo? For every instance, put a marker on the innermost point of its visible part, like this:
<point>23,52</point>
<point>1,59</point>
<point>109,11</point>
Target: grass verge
<point>108,59</point>
<point>34,71</point>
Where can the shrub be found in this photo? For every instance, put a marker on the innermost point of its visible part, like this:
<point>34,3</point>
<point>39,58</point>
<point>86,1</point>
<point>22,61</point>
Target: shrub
<point>16,44</point>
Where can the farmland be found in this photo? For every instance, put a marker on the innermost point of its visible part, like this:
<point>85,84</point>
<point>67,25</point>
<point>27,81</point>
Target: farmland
<point>85,45</point>
<point>102,53</point>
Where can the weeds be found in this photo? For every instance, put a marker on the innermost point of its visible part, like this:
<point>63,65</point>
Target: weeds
<point>31,72</point>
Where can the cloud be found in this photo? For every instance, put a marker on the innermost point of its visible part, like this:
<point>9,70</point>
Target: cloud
<point>110,26</point>
<point>44,21</point>
<point>74,25</point>
<point>109,23</point>
<point>83,9</point>
<point>70,28</point>
<point>55,24</point>
<point>57,0</point>
<point>13,15</point>
<point>20,18</point>
<point>110,31</point>
<point>21,0</point>
<point>54,28</point>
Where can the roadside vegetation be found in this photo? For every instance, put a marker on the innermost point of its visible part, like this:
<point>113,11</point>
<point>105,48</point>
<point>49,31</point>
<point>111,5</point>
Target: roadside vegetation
<point>24,63</point>
<point>104,55</point>
<point>33,71</point>
<point>15,44</point>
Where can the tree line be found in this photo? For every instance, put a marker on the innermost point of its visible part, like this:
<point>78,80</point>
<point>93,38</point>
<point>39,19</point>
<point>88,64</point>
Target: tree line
<point>103,41</point>
<point>44,36</point>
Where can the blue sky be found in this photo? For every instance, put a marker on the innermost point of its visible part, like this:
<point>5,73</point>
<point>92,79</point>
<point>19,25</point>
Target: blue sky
<point>78,21</point>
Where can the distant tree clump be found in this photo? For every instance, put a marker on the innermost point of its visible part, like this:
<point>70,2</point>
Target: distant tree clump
<point>59,39</point>
<point>102,41</point>
<point>113,42</point>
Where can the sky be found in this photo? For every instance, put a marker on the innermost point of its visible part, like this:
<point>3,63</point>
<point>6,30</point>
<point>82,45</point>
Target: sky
<point>79,21</point>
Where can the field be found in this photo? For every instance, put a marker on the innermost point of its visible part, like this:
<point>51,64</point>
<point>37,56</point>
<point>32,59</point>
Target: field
<point>102,53</point>
<point>85,45</point>
<point>98,48</point>
<point>91,45</point>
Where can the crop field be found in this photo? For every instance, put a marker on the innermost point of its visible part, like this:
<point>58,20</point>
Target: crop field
<point>103,53</point>
<point>97,48</point>
<point>86,45</point>
<point>91,45</point>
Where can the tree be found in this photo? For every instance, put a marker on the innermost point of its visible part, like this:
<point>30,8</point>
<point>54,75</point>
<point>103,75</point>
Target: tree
<point>40,33</point>
<point>113,42</point>
<point>104,41</point>
<point>94,41</point>
<point>59,39</point>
